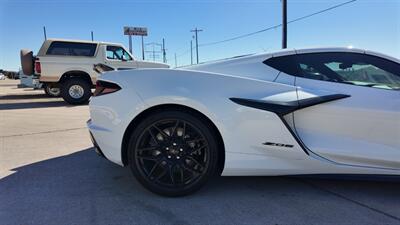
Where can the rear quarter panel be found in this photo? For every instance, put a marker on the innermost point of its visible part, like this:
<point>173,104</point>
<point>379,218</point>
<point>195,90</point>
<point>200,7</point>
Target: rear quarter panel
<point>243,129</point>
<point>54,67</point>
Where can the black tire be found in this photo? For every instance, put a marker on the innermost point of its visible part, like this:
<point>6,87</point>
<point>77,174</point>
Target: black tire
<point>27,61</point>
<point>76,83</point>
<point>51,92</point>
<point>181,160</point>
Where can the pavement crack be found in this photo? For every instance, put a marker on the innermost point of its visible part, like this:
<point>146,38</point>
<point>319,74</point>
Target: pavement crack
<point>348,199</point>
<point>43,132</point>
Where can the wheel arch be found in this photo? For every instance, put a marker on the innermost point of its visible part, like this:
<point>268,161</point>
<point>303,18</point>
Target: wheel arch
<point>76,73</point>
<point>141,116</point>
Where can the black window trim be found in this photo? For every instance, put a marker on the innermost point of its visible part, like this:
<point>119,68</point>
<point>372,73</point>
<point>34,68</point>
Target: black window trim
<point>70,42</point>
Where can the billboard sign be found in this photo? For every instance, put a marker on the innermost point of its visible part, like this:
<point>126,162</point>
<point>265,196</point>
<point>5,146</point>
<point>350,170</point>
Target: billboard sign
<point>137,31</point>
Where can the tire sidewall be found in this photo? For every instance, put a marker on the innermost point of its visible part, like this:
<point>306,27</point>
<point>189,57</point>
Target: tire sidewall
<point>66,85</point>
<point>49,93</point>
<point>201,126</point>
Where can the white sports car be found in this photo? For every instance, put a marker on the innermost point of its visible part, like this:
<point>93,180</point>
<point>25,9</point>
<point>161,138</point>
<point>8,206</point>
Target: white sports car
<point>309,111</point>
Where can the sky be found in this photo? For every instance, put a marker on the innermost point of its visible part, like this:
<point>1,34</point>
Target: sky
<point>369,24</point>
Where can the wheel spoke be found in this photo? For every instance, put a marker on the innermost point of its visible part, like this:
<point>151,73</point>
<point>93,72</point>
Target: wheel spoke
<point>181,173</point>
<point>195,140</point>
<point>184,130</point>
<point>174,128</point>
<point>196,162</point>
<point>192,171</point>
<point>161,132</point>
<point>150,157</point>
<point>193,150</point>
<point>160,175</point>
<point>147,149</point>
<point>152,136</point>
<point>153,168</point>
<point>171,174</point>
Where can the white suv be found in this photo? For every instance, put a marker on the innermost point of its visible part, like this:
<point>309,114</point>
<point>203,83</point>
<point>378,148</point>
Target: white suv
<point>68,67</point>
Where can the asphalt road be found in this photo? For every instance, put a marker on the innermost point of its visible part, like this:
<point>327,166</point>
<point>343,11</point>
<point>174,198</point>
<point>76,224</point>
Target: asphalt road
<point>49,174</point>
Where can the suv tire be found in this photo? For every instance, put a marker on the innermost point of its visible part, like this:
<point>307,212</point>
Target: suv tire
<point>76,91</point>
<point>51,91</point>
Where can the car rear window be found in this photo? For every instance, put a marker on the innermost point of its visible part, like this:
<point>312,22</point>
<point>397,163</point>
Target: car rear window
<point>286,64</point>
<point>71,49</point>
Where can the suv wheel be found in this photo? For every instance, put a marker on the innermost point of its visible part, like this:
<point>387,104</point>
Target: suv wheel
<point>52,91</point>
<point>173,153</point>
<point>76,91</point>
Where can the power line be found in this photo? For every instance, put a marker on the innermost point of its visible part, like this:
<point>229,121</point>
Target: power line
<point>276,26</point>
<point>268,28</point>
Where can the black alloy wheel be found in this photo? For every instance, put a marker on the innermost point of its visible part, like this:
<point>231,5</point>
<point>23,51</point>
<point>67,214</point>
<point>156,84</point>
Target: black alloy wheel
<point>173,153</point>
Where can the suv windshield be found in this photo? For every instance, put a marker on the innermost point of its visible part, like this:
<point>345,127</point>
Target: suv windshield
<point>117,53</point>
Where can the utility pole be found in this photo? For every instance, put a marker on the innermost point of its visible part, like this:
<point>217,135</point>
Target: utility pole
<point>163,51</point>
<point>44,32</point>
<point>91,34</point>
<point>142,48</point>
<point>284,24</point>
<point>196,31</point>
<point>191,52</point>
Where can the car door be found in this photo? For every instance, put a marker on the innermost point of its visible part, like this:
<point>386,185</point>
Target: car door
<point>118,58</point>
<point>361,128</point>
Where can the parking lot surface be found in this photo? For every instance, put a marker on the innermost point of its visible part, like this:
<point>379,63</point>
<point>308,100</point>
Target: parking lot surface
<point>49,174</point>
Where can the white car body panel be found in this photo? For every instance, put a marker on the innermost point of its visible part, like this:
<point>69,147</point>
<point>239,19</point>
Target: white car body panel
<point>356,128</point>
<point>208,88</point>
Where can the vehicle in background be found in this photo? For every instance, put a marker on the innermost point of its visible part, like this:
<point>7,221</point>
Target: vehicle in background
<point>2,76</point>
<point>28,81</point>
<point>67,67</point>
<point>303,111</point>
<point>10,74</point>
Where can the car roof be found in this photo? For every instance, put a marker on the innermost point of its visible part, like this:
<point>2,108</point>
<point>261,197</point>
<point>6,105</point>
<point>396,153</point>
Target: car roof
<point>82,41</point>
<point>294,51</point>
<point>266,55</point>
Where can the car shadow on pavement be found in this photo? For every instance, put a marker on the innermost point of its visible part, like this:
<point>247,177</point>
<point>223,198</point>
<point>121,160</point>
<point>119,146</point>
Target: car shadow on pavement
<point>82,188</point>
<point>25,96</point>
<point>31,105</point>
<point>7,85</point>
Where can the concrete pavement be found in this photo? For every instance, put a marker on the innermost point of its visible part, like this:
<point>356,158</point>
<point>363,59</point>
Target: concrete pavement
<point>49,174</point>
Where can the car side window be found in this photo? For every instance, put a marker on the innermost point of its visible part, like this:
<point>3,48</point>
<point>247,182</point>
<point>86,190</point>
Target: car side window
<point>341,67</point>
<point>350,68</point>
<point>117,53</point>
<point>286,64</point>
